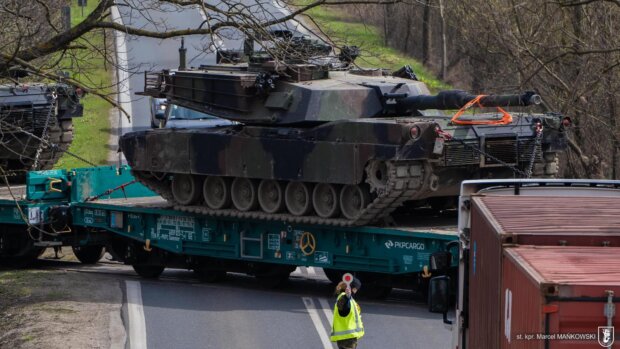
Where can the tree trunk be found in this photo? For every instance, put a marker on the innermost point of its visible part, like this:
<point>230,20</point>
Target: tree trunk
<point>574,69</point>
<point>386,18</point>
<point>408,21</point>
<point>444,52</point>
<point>426,33</point>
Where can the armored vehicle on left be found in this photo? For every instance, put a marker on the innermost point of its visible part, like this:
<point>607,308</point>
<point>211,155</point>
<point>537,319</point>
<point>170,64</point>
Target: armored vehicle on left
<point>36,125</point>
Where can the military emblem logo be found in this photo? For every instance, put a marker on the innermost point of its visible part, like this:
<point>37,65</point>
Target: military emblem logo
<point>605,336</point>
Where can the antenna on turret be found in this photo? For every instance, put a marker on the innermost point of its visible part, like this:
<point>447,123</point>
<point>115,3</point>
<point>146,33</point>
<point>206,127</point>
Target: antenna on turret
<point>182,54</point>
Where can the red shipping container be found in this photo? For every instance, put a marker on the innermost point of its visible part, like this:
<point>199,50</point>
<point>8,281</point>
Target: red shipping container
<point>499,221</point>
<point>555,297</point>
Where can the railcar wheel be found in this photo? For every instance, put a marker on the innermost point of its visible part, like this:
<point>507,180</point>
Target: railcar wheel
<point>270,196</point>
<point>375,291</point>
<point>244,194</point>
<point>186,188</point>
<point>353,200</point>
<point>298,199</point>
<point>88,254</point>
<point>273,280</point>
<point>325,200</point>
<point>210,275</point>
<point>23,260</point>
<point>216,192</point>
<point>149,271</point>
<point>334,275</point>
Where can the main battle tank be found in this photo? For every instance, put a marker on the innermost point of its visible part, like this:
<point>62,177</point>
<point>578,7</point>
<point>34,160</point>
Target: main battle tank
<point>36,125</point>
<point>319,146</point>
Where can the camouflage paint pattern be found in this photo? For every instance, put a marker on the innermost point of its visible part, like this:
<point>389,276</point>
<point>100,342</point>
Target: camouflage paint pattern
<point>347,129</point>
<point>35,109</point>
<point>335,152</point>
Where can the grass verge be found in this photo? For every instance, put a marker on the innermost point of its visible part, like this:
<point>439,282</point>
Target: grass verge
<point>58,308</point>
<point>344,30</point>
<point>92,131</point>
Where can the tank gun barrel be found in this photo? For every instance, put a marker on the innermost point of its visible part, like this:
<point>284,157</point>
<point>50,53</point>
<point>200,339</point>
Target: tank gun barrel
<point>456,99</point>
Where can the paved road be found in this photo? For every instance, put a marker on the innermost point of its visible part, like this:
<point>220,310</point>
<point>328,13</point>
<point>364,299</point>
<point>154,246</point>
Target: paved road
<point>238,313</point>
<point>178,311</point>
<point>147,54</point>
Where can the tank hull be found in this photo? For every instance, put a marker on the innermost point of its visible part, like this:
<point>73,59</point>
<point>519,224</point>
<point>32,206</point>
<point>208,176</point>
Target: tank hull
<point>321,154</point>
<point>379,155</point>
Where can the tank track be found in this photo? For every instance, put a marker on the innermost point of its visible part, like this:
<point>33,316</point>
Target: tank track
<point>60,135</point>
<point>405,181</point>
<point>549,167</point>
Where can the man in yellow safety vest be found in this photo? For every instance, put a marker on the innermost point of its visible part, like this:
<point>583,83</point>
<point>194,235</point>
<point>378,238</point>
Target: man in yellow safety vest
<point>347,325</point>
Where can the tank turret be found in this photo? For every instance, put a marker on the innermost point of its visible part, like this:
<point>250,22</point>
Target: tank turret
<point>320,142</point>
<point>308,94</point>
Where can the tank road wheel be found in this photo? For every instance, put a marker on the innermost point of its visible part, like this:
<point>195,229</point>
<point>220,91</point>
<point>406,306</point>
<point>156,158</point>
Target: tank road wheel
<point>216,192</point>
<point>244,194</point>
<point>325,200</point>
<point>353,200</point>
<point>270,196</point>
<point>298,199</point>
<point>186,188</point>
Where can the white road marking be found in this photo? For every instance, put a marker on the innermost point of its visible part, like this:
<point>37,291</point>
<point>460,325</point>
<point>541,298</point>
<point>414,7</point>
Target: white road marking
<point>124,96</point>
<point>135,311</point>
<point>327,310</point>
<point>316,321</point>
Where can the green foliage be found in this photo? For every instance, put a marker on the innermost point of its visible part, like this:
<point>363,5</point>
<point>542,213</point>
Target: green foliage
<point>92,131</point>
<point>374,54</point>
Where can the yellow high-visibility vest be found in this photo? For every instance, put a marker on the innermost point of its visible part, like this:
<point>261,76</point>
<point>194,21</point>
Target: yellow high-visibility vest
<point>350,326</point>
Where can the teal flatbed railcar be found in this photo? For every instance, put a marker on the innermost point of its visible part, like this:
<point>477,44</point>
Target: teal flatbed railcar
<point>104,206</point>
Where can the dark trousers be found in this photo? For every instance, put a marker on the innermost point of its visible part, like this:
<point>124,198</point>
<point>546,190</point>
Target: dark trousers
<point>347,343</point>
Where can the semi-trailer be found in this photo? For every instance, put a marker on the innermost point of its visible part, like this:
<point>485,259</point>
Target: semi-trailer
<point>537,265</point>
<point>104,206</point>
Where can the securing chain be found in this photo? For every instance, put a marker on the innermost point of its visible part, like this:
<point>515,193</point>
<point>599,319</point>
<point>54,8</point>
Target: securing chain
<point>539,134</point>
<point>110,191</point>
<point>35,164</point>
